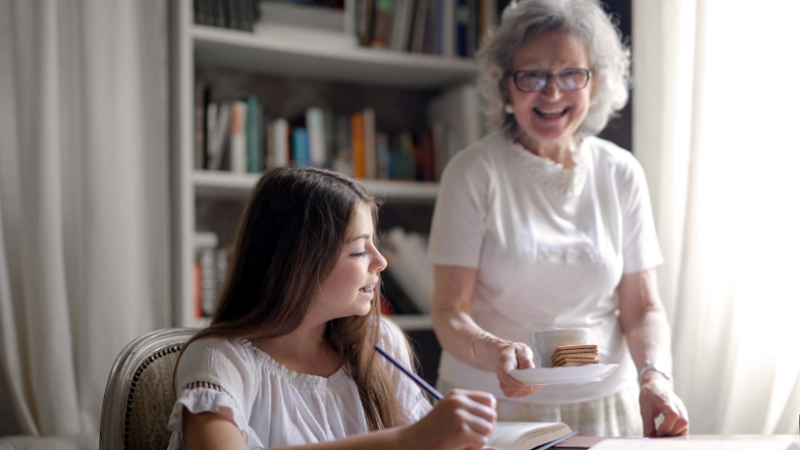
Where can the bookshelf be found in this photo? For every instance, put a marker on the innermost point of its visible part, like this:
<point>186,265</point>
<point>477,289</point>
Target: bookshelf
<point>196,192</point>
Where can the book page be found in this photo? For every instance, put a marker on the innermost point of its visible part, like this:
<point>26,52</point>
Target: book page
<point>525,435</point>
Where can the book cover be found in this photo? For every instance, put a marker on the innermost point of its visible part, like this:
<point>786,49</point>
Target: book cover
<point>280,135</point>
<point>418,27</point>
<point>218,122</point>
<point>300,156</point>
<point>401,25</point>
<point>453,108</point>
<point>448,25</point>
<point>383,21</point>
<point>330,137</point>
<point>441,149</point>
<point>370,159</point>
<point>462,28</point>
<point>238,138</point>
<point>253,135</point>
<point>315,123</point>
<point>424,157</point>
<point>528,435</point>
<point>382,155</point>
<point>343,161</point>
<point>357,144</point>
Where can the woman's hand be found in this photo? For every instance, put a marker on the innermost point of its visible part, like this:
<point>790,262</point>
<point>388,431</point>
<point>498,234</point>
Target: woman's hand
<point>505,356</point>
<point>657,397</point>
<point>462,420</point>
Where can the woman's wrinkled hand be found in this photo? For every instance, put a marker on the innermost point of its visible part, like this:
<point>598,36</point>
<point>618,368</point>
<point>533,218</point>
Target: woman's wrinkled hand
<point>510,356</point>
<point>657,397</point>
<point>461,420</point>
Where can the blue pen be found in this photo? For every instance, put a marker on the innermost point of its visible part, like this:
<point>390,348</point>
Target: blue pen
<point>417,379</point>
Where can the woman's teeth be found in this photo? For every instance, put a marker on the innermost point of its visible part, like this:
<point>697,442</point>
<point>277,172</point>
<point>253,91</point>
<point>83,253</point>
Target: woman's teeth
<point>368,289</point>
<point>551,113</point>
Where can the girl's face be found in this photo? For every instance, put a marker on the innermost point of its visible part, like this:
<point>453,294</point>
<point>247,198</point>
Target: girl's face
<point>350,288</point>
<point>552,115</point>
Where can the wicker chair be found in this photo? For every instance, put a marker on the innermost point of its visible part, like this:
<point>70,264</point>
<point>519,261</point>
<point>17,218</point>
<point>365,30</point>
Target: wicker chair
<point>139,394</point>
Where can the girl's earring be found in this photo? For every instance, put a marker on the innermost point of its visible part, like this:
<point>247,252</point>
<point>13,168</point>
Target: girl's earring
<point>509,109</point>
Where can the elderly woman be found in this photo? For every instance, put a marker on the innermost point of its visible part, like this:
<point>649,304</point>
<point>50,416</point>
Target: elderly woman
<point>545,226</point>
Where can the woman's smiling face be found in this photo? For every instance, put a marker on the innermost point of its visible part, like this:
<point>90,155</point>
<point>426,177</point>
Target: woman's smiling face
<point>552,115</point>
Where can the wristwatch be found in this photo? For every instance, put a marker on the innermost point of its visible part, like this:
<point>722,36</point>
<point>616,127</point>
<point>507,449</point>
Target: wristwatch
<point>650,367</point>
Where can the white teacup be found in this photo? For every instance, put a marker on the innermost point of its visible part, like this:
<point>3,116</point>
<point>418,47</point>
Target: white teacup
<point>545,342</point>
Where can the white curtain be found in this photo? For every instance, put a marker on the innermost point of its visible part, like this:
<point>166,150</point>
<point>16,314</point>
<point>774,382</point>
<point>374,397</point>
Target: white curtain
<point>84,200</point>
<point>716,101</point>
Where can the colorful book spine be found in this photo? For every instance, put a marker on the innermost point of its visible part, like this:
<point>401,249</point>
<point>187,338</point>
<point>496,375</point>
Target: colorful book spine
<point>280,135</point>
<point>253,135</point>
<point>300,156</point>
<point>238,138</point>
<point>357,143</point>
<point>315,121</point>
<point>370,160</point>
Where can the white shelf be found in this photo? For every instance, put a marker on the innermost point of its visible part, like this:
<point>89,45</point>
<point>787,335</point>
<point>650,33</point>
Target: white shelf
<point>220,184</point>
<point>406,322</point>
<point>412,322</point>
<point>312,58</point>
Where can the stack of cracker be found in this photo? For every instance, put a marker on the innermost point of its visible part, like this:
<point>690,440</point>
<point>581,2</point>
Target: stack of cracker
<point>575,355</point>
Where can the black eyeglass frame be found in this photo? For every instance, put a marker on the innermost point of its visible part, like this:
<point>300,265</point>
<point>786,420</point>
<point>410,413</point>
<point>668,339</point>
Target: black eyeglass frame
<point>548,76</point>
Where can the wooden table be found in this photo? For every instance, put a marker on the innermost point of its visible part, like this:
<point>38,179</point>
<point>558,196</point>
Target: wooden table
<point>584,442</point>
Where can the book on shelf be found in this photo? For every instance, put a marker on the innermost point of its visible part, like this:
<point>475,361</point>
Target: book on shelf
<point>384,14</point>
<point>410,267</point>
<point>210,271</point>
<point>206,278</point>
<point>401,24</point>
<point>238,138</point>
<point>315,123</point>
<point>241,135</point>
<point>300,151</point>
<point>357,144</point>
<point>254,130</point>
<point>370,160</point>
<point>234,14</point>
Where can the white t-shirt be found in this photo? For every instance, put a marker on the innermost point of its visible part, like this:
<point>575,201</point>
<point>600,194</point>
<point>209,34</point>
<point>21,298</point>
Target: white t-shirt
<point>275,406</point>
<point>550,246</point>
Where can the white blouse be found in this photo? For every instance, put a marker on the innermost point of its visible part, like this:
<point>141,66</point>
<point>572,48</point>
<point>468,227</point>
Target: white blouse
<point>550,245</point>
<point>274,406</point>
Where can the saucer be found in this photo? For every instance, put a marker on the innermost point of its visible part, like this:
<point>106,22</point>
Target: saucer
<point>564,375</point>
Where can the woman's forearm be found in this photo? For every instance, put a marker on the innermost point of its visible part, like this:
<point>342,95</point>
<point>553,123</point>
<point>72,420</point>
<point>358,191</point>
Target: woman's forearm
<point>457,332</point>
<point>460,336</point>
<point>644,321</point>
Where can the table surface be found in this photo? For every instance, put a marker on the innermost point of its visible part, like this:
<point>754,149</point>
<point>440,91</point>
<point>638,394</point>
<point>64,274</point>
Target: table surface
<point>584,442</point>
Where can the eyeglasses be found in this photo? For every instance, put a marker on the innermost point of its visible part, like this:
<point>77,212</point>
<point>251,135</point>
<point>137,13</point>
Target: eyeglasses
<point>566,80</point>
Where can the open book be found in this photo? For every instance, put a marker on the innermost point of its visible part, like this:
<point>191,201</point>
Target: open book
<point>528,435</point>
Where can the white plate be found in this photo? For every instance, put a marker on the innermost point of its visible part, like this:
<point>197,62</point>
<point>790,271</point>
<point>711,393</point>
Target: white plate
<point>564,375</point>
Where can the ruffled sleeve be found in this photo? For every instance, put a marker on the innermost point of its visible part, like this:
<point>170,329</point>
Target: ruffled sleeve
<point>214,373</point>
<point>411,398</point>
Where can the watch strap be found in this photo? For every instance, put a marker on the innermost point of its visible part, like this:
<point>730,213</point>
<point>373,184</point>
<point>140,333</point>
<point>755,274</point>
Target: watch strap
<point>650,367</point>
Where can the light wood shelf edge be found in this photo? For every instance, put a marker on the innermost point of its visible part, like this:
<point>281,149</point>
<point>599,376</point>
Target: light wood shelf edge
<point>220,184</point>
<point>314,57</point>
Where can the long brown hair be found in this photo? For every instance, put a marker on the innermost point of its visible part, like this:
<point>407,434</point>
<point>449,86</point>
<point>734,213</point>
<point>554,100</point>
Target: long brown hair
<point>288,242</point>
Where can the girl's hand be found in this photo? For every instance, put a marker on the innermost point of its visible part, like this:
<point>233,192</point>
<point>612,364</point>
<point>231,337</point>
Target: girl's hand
<point>507,356</point>
<point>462,420</point>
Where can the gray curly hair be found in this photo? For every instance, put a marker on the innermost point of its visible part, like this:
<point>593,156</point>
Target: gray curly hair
<point>609,58</point>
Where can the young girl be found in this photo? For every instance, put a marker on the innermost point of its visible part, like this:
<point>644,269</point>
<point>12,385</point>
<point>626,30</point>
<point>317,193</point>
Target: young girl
<point>289,358</point>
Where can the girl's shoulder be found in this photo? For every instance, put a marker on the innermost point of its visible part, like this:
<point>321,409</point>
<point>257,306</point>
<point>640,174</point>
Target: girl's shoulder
<point>219,351</point>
